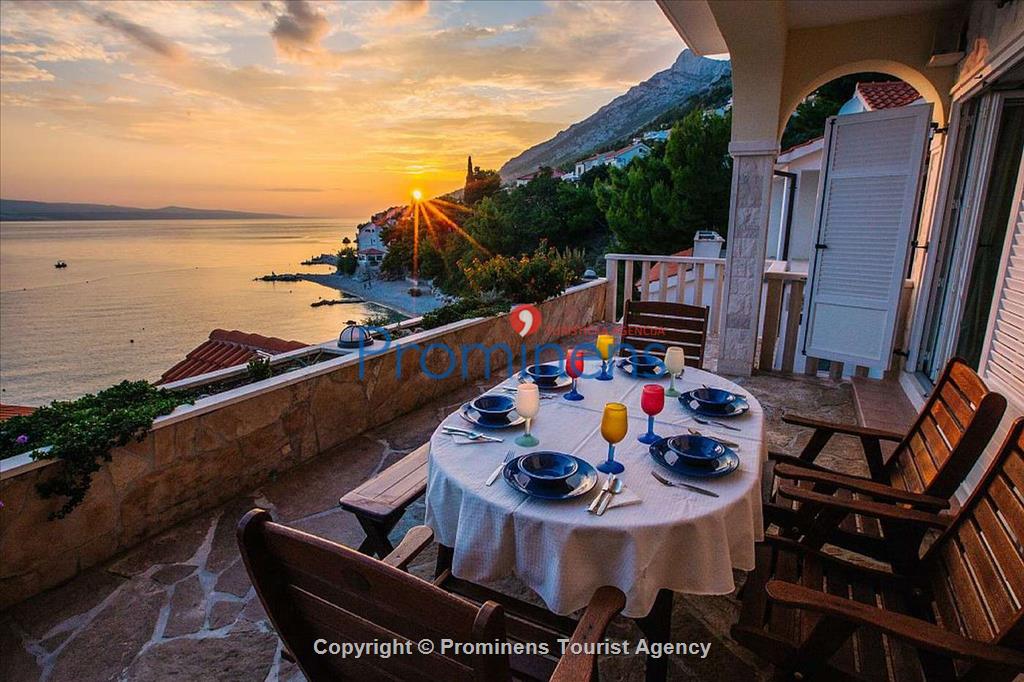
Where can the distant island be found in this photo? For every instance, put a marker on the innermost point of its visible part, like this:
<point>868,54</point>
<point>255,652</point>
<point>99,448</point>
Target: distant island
<point>13,210</point>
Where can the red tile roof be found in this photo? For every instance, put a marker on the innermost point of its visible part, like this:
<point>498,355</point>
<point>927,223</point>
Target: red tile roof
<point>226,349</point>
<point>372,252</point>
<point>673,268</point>
<point>8,411</point>
<point>887,94</point>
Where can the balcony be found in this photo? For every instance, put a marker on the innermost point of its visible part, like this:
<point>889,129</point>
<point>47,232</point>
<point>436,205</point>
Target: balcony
<point>145,581</point>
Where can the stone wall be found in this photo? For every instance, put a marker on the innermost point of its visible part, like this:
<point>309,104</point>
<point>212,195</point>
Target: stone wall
<point>200,456</point>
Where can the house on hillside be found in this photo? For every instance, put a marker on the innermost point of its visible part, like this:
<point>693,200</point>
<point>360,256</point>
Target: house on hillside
<point>524,179</point>
<point>370,249</point>
<point>619,158</point>
<point>657,135</point>
<point>797,172</point>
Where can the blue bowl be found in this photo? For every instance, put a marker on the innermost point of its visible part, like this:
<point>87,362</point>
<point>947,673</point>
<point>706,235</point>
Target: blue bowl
<point>548,467</point>
<point>642,361</point>
<point>696,449</point>
<point>544,375</point>
<point>494,408</point>
<point>713,398</point>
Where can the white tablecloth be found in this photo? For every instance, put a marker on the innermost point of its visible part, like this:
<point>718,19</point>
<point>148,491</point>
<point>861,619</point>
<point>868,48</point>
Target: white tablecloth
<point>674,539</point>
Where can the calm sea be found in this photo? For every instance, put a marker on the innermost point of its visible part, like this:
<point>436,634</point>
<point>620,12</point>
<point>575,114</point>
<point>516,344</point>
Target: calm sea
<point>138,295</point>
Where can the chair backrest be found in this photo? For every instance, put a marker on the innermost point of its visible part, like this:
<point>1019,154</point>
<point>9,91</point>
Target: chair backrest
<point>314,589</point>
<point>651,327</point>
<point>976,567</point>
<point>949,435</point>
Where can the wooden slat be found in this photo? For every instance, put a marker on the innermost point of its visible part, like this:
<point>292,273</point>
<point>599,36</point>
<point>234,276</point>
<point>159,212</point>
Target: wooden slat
<point>1007,555</point>
<point>628,283</point>
<point>793,311</point>
<point>992,587</point>
<point>698,283</point>
<point>968,382</point>
<point>716,308</point>
<point>838,585</point>
<point>680,283</point>
<point>868,645</point>
<point>645,281</point>
<point>687,324</point>
<point>770,329</point>
<point>956,403</point>
<point>904,664</point>
<point>612,273</point>
<point>1008,505</point>
<point>935,452</point>
<point>783,619</point>
<point>812,576</point>
<point>968,600</point>
<point>662,282</point>
<point>392,489</point>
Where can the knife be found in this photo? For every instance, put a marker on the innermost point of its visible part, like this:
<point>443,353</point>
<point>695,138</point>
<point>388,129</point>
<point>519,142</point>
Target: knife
<point>605,490</point>
<point>612,492</point>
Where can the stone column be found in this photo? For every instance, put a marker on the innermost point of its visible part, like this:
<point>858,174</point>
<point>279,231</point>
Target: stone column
<point>749,207</point>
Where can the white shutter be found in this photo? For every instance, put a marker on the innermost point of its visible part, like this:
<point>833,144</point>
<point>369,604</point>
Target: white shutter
<point>1003,354</point>
<point>867,211</point>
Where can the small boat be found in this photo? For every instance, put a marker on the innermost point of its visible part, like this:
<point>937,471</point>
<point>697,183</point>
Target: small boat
<point>60,264</point>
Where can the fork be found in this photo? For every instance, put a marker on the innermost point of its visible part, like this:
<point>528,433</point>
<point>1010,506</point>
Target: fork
<point>714,422</point>
<point>471,435</point>
<point>497,472</point>
<point>672,484</point>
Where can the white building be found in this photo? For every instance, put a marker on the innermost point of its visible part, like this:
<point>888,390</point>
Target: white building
<point>370,247</point>
<point>619,158</point>
<point>657,135</point>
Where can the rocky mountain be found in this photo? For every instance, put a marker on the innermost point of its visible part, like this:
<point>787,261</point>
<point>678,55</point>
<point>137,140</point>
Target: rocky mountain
<point>12,209</point>
<point>689,76</point>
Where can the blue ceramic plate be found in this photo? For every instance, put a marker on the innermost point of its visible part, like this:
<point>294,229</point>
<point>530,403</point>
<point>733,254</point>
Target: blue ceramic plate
<point>696,450</point>
<point>668,458</point>
<point>580,483</point>
<point>474,417</point>
<point>494,408</point>
<point>733,409</point>
<point>547,466</point>
<point>640,370</point>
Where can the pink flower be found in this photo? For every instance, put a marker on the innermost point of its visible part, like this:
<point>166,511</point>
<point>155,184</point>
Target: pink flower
<point>21,440</point>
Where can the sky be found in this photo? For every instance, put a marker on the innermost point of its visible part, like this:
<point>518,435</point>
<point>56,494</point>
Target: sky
<point>306,108</point>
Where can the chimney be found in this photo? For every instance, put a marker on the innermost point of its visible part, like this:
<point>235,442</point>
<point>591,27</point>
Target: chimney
<point>708,244</point>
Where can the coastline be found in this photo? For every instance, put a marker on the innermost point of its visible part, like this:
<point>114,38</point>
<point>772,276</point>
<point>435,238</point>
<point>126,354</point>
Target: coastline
<point>391,295</point>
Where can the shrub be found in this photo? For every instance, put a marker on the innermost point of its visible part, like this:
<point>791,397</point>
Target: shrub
<point>464,309</point>
<point>348,261</point>
<point>82,432</point>
<point>528,279</point>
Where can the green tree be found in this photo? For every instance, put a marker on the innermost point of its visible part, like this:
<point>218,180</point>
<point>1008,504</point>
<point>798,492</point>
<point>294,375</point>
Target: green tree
<point>808,121</point>
<point>348,262</point>
<point>697,155</point>
<point>482,184</point>
<point>639,205</point>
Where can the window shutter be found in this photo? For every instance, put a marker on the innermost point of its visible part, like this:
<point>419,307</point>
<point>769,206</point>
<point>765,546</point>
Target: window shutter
<point>867,210</point>
<point>1003,355</point>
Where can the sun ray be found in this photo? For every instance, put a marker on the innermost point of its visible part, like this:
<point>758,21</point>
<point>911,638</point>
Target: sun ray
<point>449,204</point>
<point>448,222</point>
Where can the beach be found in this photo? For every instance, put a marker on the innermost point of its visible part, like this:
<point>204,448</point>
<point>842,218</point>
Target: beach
<point>393,295</point>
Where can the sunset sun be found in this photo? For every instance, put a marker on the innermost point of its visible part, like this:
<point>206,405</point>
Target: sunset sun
<point>417,195</point>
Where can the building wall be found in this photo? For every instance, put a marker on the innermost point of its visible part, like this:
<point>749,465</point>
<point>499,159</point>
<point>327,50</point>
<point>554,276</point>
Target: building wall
<point>197,457</point>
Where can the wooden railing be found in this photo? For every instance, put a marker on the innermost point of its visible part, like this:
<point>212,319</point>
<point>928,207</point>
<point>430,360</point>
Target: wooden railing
<point>703,282</point>
<point>634,277</point>
<point>780,320</point>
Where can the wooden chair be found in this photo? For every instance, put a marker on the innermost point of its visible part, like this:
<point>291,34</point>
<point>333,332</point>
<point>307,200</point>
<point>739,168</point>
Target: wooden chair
<point>380,502</point>
<point>314,589</point>
<point>957,614</point>
<point>928,465</point>
<point>651,327</point>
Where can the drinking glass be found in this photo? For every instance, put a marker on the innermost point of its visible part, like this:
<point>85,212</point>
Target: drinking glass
<point>527,405</point>
<point>675,361</point>
<point>574,368</point>
<point>652,402</point>
<point>604,349</point>
<point>614,425</point>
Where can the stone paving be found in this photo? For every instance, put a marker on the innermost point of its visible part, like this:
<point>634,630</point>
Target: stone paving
<point>180,605</point>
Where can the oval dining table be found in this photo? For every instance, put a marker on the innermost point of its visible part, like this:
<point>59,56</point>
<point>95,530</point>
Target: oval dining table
<point>669,539</point>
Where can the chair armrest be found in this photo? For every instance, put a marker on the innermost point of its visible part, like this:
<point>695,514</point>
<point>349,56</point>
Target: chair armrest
<point>878,510</point>
<point>606,603</point>
<point>879,491</point>
<point>920,633</point>
<point>848,429</point>
<point>415,541</point>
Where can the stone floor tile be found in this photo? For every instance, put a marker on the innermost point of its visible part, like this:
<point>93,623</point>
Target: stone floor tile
<point>188,608</point>
<point>168,575</point>
<point>245,655</point>
<point>42,613</point>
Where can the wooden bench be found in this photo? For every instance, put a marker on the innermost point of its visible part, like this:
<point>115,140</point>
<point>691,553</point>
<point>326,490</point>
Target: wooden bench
<point>380,502</point>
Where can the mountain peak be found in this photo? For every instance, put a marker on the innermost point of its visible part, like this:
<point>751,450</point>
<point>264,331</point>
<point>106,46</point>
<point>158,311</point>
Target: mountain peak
<point>688,76</point>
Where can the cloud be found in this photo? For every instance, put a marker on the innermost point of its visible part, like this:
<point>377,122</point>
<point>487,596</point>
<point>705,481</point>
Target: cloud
<point>145,37</point>
<point>297,33</point>
<point>14,69</point>
<point>406,10</point>
<point>294,189</point>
